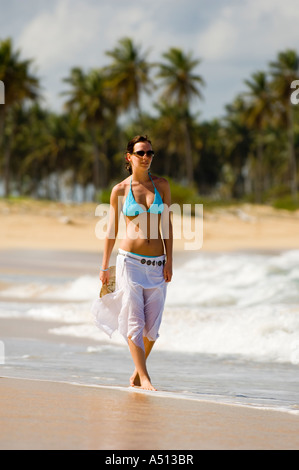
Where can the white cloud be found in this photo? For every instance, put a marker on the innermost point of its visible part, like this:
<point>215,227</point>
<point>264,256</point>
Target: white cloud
<point>240,39</point>
<point>233,38</point>
<point>63,35</point>
<point>217,42</point>
<point>250,30</point>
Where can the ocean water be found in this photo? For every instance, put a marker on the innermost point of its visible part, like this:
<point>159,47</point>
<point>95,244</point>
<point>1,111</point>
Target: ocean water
<point>230,331</point>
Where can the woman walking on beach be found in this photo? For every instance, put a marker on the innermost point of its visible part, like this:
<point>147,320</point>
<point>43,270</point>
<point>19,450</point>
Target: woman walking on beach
<point>144,261</point>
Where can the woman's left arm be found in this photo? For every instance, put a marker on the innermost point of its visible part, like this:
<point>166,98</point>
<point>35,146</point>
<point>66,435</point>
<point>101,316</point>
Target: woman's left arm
<point>167,231</point>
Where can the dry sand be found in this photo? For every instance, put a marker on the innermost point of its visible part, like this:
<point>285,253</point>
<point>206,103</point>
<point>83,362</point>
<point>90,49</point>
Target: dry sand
<point>45,225</point>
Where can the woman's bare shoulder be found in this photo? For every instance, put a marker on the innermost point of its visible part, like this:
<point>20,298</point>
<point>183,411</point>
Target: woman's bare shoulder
<point>120,188</point>
<point>160,182</point>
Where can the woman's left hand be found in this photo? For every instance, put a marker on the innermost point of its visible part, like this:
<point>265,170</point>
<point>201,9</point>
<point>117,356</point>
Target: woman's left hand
<point>168,271</point>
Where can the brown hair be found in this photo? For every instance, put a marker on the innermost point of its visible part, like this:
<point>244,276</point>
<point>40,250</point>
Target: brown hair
<point>130,148</point>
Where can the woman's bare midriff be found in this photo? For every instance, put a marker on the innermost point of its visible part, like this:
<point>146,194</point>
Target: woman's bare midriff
<point>143,235</point>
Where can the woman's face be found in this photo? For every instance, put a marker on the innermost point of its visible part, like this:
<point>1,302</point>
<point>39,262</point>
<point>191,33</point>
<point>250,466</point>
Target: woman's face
<point>142,155</point>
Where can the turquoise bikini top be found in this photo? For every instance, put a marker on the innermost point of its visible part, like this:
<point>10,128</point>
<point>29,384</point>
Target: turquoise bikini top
<point>131,208</point>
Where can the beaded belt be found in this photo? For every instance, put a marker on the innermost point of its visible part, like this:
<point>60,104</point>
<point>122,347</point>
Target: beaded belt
<point>148,262</point>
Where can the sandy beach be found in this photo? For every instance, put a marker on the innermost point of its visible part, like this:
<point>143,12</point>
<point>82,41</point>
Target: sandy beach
<point>40,414</point>
<point>50,225</point>
<point>45,415</point>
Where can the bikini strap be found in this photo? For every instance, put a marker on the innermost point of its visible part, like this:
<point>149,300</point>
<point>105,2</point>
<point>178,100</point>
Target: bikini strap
<point>149,174</point>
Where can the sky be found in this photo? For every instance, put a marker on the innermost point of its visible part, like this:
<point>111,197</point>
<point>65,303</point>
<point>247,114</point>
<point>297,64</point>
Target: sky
<point>232,38</point>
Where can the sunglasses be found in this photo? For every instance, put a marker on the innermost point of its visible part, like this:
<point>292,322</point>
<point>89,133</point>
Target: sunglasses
<point>141,153</point>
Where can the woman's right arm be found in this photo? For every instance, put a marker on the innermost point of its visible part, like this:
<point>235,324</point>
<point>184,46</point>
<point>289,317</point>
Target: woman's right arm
<point>111,232</point>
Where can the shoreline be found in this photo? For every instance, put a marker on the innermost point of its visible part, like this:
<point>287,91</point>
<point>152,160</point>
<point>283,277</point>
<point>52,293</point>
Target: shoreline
<point>33,330</point>
<point>90,418</point>
<point>106,419</point>
<point>170,395</point>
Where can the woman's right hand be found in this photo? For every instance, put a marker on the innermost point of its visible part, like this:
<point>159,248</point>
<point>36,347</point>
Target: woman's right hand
<point>104,276</point>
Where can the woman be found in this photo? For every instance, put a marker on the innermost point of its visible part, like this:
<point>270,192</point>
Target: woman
<point>144,261</point>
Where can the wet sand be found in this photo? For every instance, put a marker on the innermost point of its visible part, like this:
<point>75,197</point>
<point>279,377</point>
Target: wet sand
<point>47,415</point>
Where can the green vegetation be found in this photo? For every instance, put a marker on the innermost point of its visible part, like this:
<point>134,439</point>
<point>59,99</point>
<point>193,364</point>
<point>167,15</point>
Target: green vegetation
<point>249,154</point>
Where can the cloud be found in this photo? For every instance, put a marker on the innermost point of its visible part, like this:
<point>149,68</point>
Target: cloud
<point>250,30</point>
<point>232,38</point>
<point>218,40</point>
<point>240,39</point>
<point>63,35</point>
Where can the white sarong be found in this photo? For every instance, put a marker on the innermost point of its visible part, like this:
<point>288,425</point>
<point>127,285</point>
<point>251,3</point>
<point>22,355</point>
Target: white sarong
<point>136,306</point>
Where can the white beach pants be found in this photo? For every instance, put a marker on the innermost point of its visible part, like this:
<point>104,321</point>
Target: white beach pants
<point>136,306</point>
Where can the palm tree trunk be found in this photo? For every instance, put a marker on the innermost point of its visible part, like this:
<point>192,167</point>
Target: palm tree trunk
<point>259,175</point>
<point>188,150</point>
<point>104,164</point>
<point>6,163</point>
<point>2,122</point>
<point>292,156</point>
<point>96,161</point>
<point>167,163</point>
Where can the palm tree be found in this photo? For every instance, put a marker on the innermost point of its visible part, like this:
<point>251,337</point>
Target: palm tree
<point>168,132</point>
<point>284,70</point>
<point>128,74</point>
<point>20,85</point>
<point>236,138</point>
<point>257,114</point>
<point>181,85</point>
<point>209,169</point>
<point>29,150</point>
<point>89,99</point>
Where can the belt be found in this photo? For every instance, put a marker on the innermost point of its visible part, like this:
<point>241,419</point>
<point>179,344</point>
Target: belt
<point>148,262</point>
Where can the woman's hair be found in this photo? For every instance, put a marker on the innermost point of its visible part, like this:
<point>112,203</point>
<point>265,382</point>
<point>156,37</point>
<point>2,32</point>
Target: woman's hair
<point>130,147</point>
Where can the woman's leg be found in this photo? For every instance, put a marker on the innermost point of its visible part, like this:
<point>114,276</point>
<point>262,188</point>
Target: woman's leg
<point>139,357</point>
<point>148,345</point>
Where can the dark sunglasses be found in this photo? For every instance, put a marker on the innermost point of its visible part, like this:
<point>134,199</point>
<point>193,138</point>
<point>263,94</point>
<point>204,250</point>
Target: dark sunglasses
<point>141,153</point>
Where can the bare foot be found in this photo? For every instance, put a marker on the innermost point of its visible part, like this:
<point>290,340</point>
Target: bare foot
<point>146,385</point>
<point>134,379</point>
